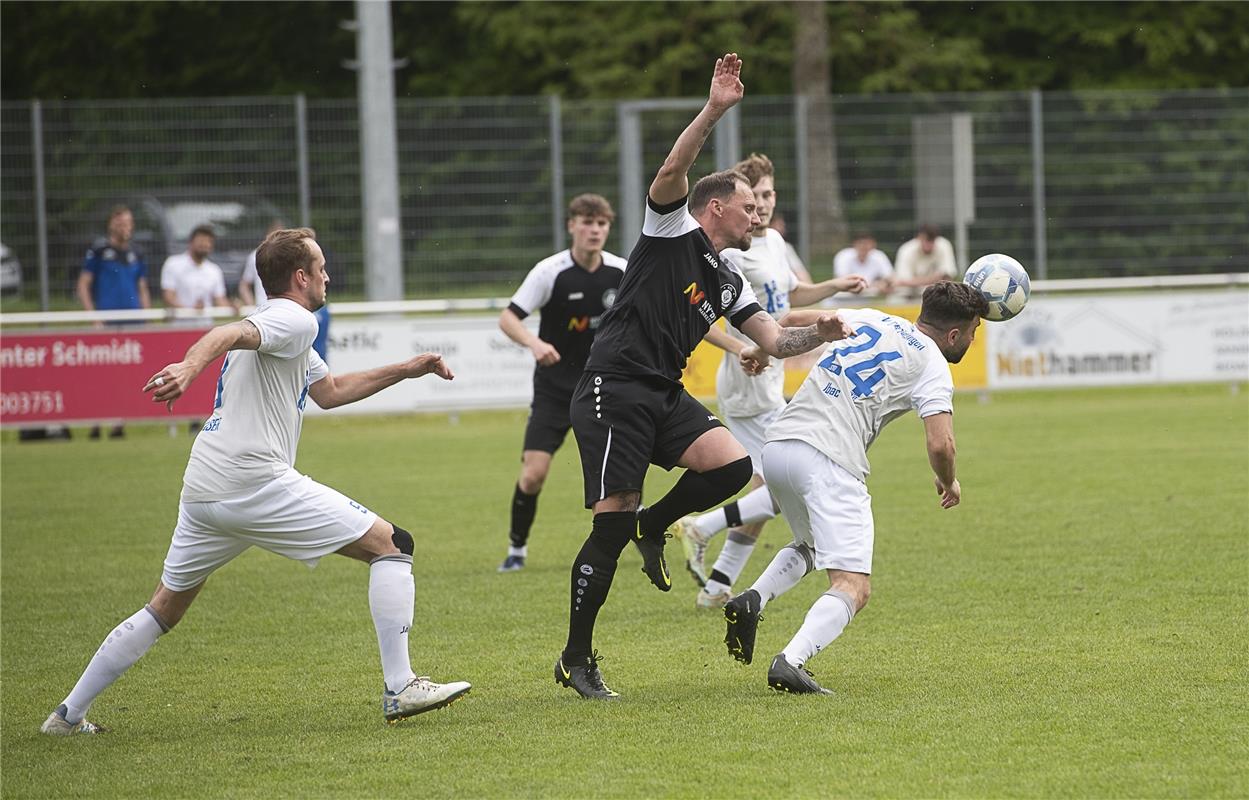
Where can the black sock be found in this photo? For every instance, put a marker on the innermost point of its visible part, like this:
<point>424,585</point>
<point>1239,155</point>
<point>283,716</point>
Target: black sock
<point>592,572</point>
<point>696,491</point>
<point>719,577</point>
<point>732,515</point>
<point>524,507</point>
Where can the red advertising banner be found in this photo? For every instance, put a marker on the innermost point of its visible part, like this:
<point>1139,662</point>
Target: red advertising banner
<point>95,377</point>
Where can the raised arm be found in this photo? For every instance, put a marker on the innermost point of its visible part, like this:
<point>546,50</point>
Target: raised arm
<point>672,181</point>
<point>939,432</point>
<point>333,391</point>
<point>172,381</point>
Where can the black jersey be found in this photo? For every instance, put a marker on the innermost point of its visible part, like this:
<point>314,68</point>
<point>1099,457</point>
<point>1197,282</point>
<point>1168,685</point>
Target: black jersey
<point>675,289</point>
<point>572,300</point>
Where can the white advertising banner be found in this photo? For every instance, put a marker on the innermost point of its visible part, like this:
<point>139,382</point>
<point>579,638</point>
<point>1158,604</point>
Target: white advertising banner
<point>1115,339</point>
<point>491,371</point>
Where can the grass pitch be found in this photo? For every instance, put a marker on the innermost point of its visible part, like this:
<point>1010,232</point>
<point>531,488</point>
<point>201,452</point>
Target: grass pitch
<point>1077,627</point>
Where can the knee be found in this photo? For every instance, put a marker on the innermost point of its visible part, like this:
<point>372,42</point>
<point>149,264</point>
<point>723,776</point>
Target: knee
<point>531,480</point>
<point>735,474</point>
<point>402,540</point>
<point>854,584</point>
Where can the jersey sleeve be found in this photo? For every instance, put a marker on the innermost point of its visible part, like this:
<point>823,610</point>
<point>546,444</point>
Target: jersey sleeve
<point>285,332</point>
<point>91,262</point>
<point>317,368</point>
<point>934,390</point>
<point>747,304</point>
<point>534,291</point>
<point>945,258</point>
<point>219,288</point>
<point>841,264</point>
<point>668,221</point>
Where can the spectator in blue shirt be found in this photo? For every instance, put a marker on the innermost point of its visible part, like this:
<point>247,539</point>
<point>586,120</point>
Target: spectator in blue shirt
<point>113,275</point>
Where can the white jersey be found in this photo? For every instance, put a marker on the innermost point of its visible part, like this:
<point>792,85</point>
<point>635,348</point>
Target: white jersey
<point>258,411</point>
<point>194,285</point>
<point>862,383</point>
<point>250,275</point>
<point>766,267</point>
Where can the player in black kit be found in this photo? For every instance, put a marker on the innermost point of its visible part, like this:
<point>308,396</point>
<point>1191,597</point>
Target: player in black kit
<point>572,288</point>
<point>630,409</point>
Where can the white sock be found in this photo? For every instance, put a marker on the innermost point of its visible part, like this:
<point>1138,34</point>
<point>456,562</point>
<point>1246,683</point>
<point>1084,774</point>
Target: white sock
<point>790,565</point>
<point>756,506</point>
<point>518,551</point>
<point>124,646</point>
<point>711,523</point>
<point>392,596</point>
<point>827,618</point>
<point>733,556</point>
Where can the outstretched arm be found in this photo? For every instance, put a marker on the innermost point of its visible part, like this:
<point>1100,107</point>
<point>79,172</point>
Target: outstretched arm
<point>514,328</point>
<point>804,294</point>
<point>672,182</point>
<point>172,381</point>
<point>333,391</point>
<point>780,342</point>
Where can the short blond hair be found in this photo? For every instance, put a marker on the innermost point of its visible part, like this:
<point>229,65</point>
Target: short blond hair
<point>282,253</point>
<point>755,167</point>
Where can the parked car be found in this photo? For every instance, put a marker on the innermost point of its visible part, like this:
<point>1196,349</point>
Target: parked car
<point>10,271</point>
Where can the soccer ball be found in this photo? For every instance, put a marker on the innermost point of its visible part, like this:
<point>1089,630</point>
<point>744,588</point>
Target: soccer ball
<point>1003,282</point>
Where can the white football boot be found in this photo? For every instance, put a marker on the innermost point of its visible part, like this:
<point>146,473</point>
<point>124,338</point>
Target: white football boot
<point>695,546</point>
<point>421,695</point>
<point>57,725</point>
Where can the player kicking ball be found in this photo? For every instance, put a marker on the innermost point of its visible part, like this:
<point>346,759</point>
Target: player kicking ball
<point>815,462</point>
<point>241,488</point>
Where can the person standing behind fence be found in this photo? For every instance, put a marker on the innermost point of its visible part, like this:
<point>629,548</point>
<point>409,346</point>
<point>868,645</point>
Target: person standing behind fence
<point>924,260</point>
<point>191,280</point>
<point>862,258</point>
<point>573,288</point>
<point>114,277</point>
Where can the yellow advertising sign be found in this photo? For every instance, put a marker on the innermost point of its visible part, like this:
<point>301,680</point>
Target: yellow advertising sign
<point>700,373</point>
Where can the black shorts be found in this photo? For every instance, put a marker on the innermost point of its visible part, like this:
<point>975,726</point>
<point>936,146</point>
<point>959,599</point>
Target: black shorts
<point>623,424</point>
<point>548,422</point>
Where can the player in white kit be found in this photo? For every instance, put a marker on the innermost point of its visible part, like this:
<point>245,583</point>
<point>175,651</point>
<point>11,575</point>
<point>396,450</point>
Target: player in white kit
<point>815,462</point>
<point>241,489</point>
<point>748,404</point>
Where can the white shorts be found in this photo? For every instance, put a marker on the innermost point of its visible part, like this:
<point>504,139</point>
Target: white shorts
<point>827,507</point>
<point>292,515</point>
<point>751,432</point>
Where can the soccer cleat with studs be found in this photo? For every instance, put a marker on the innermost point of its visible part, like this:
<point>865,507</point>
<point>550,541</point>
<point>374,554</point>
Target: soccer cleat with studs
<point>57,725</point>
<point>711,601</point>
<point>742,615</point>
<point>584,677</point>
<point>695,546</point>
<point>512,564</point>
<point>785,677</point>
<point>651,547</point>
<point>421,695</point>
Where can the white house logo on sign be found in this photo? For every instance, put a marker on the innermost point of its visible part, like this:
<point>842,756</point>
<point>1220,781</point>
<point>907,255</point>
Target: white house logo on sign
<point>1079,342</point>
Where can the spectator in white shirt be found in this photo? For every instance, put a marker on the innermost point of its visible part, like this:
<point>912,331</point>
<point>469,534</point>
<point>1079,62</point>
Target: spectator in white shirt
<point>924,260</point>
<point>190,279</point>
<point>864,259</point>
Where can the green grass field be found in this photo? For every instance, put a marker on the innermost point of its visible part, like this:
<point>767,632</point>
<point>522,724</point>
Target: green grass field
<point>1076,628</point>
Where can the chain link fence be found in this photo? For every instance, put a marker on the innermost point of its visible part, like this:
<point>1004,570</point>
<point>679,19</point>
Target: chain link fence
<point>1082,184</point>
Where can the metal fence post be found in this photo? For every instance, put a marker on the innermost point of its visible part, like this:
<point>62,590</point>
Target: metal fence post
<point>631,192</point>
<point>728,139</point>
<point>41,199</point>
<point>557,173</point>
<point>803,190</point>
<point>1038,186</point>
<point>301,156</point>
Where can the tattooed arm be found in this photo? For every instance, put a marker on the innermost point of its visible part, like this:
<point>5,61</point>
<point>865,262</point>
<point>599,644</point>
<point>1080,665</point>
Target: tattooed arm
<point>780,342</point>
